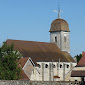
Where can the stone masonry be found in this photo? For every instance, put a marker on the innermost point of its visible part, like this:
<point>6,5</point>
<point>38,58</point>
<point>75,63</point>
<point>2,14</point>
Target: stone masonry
<point>26,82</point>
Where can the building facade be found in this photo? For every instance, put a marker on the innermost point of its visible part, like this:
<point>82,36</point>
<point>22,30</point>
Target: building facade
<point>51,61</point>
<point>52,71</point>
<point>60,70</point>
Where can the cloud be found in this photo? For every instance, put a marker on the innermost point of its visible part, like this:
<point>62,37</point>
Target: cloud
<point>55,11</point>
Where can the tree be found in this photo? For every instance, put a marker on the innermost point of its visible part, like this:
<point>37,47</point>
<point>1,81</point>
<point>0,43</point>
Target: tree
<point>9,66</point>
<point>78,57</point>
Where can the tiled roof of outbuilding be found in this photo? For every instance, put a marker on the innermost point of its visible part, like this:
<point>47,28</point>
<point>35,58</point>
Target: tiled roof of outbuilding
<point>59,25</point>
<point>79,70</point>
<point>40,51</point>
<point>81,63</point>
<point>23,76</point>
<point>23,61</point>
<point>78,73</point>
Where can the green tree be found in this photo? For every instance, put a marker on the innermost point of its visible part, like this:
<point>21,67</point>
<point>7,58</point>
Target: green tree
<point>9,66</point>
<point>78,57</point>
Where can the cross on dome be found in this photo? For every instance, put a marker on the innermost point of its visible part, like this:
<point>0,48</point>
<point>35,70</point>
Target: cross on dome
<point>59,17</point>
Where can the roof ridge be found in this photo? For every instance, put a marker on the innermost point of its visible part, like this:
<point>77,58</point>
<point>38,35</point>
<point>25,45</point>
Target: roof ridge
<point>29,41</point>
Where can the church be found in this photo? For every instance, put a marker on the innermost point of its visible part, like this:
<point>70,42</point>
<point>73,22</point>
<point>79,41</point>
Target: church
<point>42,61</point>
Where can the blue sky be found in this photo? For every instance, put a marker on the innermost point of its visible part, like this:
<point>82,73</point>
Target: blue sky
<point>31,20</point>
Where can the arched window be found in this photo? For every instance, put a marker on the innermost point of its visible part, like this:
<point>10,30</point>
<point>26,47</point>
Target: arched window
<point>64,38</point>
<point>38,65</point>
<point>67,66</point>
<point>53,66</point>
<point>60,66</point>
<point>46,65</point>
<point>55,38</point>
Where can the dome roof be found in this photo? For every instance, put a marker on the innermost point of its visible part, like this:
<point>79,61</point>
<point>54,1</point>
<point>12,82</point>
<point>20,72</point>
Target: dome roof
<point>59,25</point>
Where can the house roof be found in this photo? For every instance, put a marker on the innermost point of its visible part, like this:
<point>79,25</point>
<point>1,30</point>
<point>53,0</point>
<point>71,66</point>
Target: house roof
<point>40,51</point>
<point>23,76</point>
<point>22,61</point>
<point>26,67</point>
<point>59,25</point>
<point>79,70</point>
<point>82,61</point>
<point>78,73</point>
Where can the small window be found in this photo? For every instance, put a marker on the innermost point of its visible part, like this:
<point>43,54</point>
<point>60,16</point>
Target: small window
<point>38,65</point>
<point>53,66</point>
<point>60,66</point>
<point>64,38</point>
<point>67,66</point>
<point>56,39</point>
<point>75,80</point>
<point>46,66</point>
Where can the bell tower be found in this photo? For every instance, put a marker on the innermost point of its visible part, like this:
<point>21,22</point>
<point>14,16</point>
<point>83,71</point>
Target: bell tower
<point>59,33</point>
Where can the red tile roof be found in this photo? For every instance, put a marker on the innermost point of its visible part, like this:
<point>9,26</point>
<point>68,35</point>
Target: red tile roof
<point>83,53</point>
<point>82,61</point>
<point>23,61</point>
<point>78,73</point>
<point>23,76</point>
<point>81,64</point>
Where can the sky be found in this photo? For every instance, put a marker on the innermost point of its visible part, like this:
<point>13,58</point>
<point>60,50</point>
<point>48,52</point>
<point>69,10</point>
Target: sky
<point>31,20</point>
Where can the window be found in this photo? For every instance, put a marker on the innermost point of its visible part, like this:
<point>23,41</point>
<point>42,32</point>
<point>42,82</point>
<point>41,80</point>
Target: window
<point>67,66</point>
<point>53,66</point>
<point>56,39</point>
<point>60,66</point>
<point>33,71</point>
<point>38,65</point>
<point>64,38</point>
<point>46,65</point>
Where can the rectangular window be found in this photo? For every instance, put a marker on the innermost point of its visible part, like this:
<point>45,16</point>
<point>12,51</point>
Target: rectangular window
<point>65,38</point>
<point>56,39</point>
<point>33,71</point>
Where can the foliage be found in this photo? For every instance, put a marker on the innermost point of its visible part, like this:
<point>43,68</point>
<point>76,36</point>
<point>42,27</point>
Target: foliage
<point>9,66</point>
<point>78,57</point>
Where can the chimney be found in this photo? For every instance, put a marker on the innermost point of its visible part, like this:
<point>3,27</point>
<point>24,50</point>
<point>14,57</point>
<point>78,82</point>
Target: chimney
<point>83,53</point>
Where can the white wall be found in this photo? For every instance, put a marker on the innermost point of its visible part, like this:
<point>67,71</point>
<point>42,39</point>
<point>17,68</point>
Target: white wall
<point>46,74</point>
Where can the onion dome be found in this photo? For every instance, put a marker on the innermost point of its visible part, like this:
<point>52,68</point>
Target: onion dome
<point>59,25</point>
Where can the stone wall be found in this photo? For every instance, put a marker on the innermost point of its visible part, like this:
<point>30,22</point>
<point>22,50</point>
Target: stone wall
<point>25,82</point>
<point>65,44</point>
<point>61,43</point>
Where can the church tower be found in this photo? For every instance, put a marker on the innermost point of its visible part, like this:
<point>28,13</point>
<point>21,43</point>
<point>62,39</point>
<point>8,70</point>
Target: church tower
<point>59,33</point>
